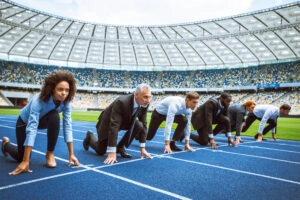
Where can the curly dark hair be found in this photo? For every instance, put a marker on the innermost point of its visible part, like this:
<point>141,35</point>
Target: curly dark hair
<point>52,80</point>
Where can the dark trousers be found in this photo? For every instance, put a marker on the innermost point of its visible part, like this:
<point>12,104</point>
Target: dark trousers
<point>157,119</point>
<point>100,144</point>
<point>223,123</point>
<point>251,118</point>
<point>50,121</point>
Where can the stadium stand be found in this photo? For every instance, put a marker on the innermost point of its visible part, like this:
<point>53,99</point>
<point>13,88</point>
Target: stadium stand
<point>97,87</point>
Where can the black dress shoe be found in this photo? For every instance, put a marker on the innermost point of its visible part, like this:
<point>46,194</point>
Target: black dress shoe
<point>123,153</point>
<point>174,147</point>
<point>181,138</point>
<point>86,141</point>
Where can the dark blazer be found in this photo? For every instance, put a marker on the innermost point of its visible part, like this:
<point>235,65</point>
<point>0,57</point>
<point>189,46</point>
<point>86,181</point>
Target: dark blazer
<point>236,114</point>
<point>206,114</point>
<point>118,116</point>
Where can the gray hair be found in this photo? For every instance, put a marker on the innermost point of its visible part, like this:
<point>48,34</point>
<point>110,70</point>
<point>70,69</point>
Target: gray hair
<point>142,86</point>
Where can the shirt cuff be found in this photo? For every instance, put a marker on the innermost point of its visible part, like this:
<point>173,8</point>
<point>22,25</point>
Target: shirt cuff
<point>143,145</point>
<point>111,149</point>
<point>211,136</point>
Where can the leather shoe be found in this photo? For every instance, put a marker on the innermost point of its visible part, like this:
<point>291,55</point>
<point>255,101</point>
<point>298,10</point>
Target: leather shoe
<point>50,161</point>
<point>174,147</point>
<point>86,141</point>
<point>181,138</point>
<point>123,153</point>
<point>5,140</point>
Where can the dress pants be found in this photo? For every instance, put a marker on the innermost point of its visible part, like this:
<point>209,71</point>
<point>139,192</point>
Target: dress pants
<point>157,119</point>
<point>100,144</point>
<point>251,118</point>
<point>50,121</point>
<point>223,123</point>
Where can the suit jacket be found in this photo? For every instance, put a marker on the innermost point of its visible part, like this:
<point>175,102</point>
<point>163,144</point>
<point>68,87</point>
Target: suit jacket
<point>118,116</point>
<point>237,114</point>
<point>206,114</point>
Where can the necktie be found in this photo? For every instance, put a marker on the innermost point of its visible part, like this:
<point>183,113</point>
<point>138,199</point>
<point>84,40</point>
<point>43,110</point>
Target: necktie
<point>130,131</point>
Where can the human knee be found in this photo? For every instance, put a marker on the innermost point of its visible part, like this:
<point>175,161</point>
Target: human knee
<point>226,121</point>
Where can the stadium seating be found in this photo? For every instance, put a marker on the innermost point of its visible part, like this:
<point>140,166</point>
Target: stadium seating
<point>17,75</point>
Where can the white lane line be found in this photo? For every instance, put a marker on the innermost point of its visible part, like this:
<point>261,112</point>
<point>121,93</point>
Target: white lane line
<point>87,168</point>
<point>273,149</point>
<point>40,179</point>
<point>261,157</point>
<point>291,144</point>
<point>235,170</point>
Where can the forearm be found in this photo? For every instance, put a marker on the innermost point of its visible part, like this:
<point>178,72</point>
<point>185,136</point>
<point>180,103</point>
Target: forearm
<point>70,148</point>
<point>27,151</point>
<point>187,143</point>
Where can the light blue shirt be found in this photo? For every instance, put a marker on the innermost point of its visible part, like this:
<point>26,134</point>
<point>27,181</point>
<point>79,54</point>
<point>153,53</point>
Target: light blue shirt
<point>170,107</point>
<point>36,109</point>
<point>266,112</point>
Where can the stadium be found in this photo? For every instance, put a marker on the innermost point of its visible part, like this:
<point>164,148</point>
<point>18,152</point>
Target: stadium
<point>252,56</point>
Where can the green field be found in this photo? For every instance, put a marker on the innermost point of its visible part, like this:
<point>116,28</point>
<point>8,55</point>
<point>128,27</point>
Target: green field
<point>287,128</point>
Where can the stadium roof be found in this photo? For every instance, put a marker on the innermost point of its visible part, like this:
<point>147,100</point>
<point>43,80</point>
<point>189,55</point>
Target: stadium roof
<point>266,36</point>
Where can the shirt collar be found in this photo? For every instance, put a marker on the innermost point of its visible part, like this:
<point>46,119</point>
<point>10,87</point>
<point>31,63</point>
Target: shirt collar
<point>221,104</point>
<point>135,104</point>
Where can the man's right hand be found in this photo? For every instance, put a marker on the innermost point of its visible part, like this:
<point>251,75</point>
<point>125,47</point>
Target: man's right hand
<point>111,158</point>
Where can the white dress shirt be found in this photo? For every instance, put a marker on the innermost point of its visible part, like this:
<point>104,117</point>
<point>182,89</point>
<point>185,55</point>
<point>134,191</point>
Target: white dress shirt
<point>170,107</point>
<point>266,112</point>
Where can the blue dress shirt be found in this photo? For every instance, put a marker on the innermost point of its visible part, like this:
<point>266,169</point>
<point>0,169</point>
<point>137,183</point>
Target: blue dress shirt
<point>36,109</point>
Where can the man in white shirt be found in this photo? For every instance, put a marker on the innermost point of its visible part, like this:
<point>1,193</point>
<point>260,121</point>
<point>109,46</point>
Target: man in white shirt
<point>174,109</point>
<point>266,114</point>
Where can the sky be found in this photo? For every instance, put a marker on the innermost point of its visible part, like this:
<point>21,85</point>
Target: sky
<point>148,12</point>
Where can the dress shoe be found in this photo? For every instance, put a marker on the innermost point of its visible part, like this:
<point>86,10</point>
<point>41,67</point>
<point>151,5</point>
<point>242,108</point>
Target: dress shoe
<point>86,141</point>
<point>5,140</point>
<point>123,153</point>
<point>181,138</point>
<point>50,161</point>
<point>174,147</point>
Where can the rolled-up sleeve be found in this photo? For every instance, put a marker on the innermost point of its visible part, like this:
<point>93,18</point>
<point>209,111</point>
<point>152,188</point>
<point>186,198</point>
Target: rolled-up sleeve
<point>67,123</point>
<point>187,130</point>
<point>267,115</point>
<point>169,121</point>
<point>33,123</point>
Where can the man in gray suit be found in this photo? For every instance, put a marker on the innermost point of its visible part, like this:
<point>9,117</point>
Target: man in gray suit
<point>237,113</point>
<point>121,115</point>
